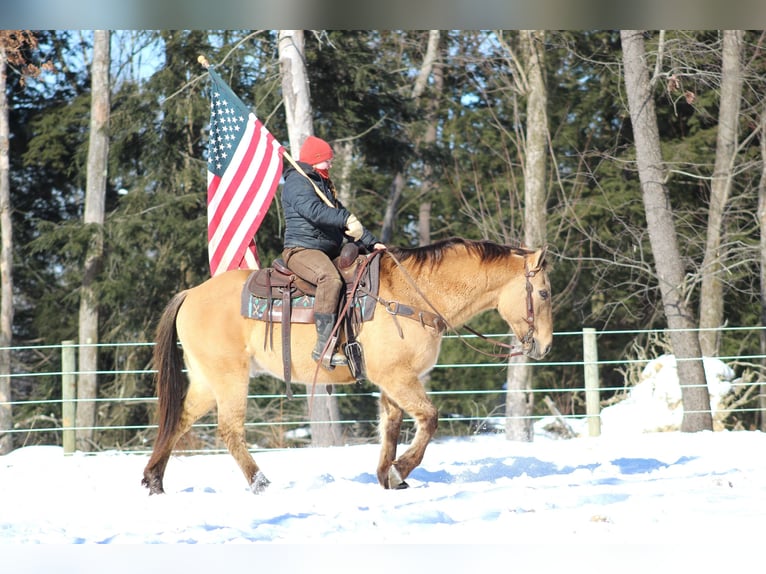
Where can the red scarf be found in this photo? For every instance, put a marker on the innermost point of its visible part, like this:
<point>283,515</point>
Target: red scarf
<point>325,173</point>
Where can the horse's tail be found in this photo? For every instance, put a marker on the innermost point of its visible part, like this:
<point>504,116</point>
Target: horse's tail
<point>170,381</point>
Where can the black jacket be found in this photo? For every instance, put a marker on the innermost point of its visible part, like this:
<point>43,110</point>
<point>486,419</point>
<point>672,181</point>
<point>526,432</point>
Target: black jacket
<point>309,221</point>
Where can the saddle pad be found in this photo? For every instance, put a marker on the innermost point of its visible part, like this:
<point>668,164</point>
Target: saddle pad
<point>301,308</point>
<point>264,290</point>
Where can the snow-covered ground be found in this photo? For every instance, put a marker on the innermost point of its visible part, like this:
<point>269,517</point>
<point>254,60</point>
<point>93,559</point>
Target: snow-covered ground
<point>621,490</point>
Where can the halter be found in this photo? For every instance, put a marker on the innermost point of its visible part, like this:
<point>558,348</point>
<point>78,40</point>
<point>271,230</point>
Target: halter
<point>515,351</point>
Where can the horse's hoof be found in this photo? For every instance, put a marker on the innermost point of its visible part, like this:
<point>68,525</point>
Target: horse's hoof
<point>395,480</point>
<point>154,486</point>
<point>260,482</point>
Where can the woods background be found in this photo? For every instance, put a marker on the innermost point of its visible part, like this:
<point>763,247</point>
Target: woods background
<point>514,136</point>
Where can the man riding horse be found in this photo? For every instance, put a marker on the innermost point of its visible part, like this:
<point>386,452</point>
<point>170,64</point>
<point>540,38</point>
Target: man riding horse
<point>316,227</point>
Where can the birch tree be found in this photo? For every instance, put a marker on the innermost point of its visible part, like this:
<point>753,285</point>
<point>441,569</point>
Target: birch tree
<point>323,408</point>
<point>662,236</point>
<point>95,195</point>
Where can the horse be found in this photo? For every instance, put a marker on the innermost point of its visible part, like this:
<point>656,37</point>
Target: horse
<point>454,279</point>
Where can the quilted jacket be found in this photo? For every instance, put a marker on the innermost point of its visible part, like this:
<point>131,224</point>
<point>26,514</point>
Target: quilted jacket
<point>309,221</point>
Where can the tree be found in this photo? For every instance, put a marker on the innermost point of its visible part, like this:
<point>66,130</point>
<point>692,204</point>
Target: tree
<point>6,267</point>
<point>429,69</point>
<point>662,235</point>
<point>519,400</point>
<point>323,408</point>
<point>711,295</point>
<point>95,193</point>
<point>434,68</point>
<point>762,251</point>
<point>12,46</point>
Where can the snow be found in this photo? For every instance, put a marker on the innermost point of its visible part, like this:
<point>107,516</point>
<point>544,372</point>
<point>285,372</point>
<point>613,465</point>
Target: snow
<point>532,505</point>
<point>654,404</point>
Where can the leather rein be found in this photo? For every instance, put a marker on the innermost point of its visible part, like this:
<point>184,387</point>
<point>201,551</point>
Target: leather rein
<point>437,320</point>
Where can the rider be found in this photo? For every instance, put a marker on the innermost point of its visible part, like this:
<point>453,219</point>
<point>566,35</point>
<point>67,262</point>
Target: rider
<point>315,229</point>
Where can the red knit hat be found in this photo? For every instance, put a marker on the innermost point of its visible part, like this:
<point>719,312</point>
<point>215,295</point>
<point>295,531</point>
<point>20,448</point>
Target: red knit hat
<point>315,150</point>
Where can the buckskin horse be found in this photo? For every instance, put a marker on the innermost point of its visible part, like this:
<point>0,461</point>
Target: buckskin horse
<point>453,280</point>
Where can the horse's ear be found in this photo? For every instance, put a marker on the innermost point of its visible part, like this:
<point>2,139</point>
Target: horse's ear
<point>538,259</point>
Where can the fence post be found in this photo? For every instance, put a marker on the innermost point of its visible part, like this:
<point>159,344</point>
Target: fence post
<point>68,394</point>
<point>590,368</point>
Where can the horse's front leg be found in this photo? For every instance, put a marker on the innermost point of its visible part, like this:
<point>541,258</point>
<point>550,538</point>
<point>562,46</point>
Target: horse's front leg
<point>412,399</point>
<point>390,425</point>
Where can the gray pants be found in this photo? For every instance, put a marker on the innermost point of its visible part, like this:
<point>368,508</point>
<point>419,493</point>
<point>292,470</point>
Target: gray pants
<point>315,266</point>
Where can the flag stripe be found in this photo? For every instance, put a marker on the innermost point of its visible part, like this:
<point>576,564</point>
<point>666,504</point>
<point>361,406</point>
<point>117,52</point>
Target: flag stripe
<point>247,157</point>
<point>244,168</point>
<point>228,239</point>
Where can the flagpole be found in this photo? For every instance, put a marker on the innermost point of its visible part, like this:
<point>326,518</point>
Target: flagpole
<point>205,64</point>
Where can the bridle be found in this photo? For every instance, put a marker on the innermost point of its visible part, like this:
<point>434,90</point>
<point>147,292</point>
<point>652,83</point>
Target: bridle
<point>513,350</point>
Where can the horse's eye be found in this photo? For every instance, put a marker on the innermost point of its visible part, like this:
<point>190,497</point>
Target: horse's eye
<point>544,294</point>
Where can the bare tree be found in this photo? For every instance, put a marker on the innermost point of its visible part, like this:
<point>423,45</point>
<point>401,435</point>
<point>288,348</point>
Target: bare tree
<point>12,44</point>
<point>6,267</point>
<point>323,408</point>
<point>711,295</point>
<point>662,235</point>
<point>95,194</point>
<point>519,399</point>
<point>762,228</point>
<point>429,68</point>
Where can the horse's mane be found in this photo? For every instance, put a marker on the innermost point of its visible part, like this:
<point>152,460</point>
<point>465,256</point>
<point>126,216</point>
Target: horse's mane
<point>433,254</point>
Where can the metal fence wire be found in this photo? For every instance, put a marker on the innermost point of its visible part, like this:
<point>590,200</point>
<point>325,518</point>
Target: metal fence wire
<point>126,406</point>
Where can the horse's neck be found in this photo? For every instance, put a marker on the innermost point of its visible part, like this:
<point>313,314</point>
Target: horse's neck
<point>459,290</point>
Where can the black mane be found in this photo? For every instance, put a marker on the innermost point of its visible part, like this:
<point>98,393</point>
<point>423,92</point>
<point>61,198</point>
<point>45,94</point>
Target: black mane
<point>433,254</point>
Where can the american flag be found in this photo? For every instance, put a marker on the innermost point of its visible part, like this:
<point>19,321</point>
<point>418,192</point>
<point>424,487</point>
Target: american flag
<point>243,170</point>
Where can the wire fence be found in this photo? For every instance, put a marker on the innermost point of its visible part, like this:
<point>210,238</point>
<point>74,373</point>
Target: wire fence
<point>275,421</point>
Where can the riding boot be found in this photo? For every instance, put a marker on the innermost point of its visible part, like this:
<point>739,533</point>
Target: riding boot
<point>324,324</point>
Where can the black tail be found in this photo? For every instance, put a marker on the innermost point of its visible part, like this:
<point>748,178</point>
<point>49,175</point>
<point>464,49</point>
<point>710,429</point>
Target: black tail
<point>171,383</point>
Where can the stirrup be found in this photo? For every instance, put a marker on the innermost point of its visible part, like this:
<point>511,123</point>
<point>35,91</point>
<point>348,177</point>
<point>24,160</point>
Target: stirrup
<point>330,360</point>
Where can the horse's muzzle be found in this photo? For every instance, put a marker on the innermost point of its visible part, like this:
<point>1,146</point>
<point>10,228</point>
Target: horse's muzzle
<point>534,350</point>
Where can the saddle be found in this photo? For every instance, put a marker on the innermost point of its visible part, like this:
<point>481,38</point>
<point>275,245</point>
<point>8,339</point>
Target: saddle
<point>277,295</point>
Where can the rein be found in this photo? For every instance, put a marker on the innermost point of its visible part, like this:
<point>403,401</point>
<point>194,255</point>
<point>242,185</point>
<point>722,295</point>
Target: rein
<point>514,350</point>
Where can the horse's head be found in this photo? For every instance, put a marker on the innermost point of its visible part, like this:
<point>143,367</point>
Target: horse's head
<point>525,304</point>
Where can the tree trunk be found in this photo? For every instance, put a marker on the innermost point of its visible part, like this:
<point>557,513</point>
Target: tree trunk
<point>389,217</point>
<point>428,68</point>
<point>762,228</point>
<point>322,408</point>
<point>6,268</point>
<point>711,295</point>
<point>342,169</point>
<point>95,194</point>
<point>662,236</point>
<point>432,67</point>
<point>296,93</point>
<point>519,400</point>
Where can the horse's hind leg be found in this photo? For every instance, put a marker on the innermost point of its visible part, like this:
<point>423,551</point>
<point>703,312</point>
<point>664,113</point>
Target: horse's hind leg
<point>197,403</point>
<point>231,426</point>
<point>412,399</point>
